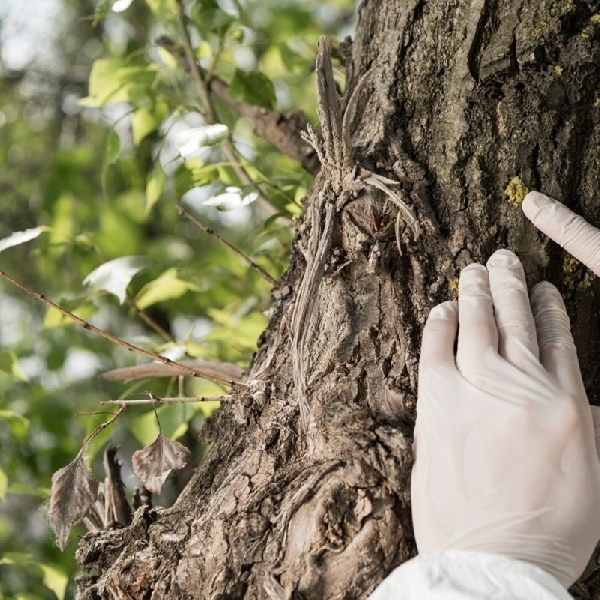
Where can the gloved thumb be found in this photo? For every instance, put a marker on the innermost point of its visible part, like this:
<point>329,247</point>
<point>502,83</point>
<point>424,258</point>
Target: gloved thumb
<point>566,228</point>
<point>596,418</point>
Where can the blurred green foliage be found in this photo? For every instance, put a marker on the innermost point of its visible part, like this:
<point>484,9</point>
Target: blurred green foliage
<point>100,169</point>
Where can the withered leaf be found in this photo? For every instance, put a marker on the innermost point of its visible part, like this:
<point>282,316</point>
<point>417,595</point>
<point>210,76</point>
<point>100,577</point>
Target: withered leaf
<point>153,463</point>
<point>74,490</point>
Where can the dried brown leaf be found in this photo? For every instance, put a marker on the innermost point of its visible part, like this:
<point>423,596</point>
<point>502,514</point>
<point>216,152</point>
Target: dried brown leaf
<point>213,371</point>
<point>74,490</point>
<point>153,463</point>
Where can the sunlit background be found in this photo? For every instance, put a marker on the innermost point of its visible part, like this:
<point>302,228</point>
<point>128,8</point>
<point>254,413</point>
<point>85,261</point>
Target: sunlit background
<point>100,180</point>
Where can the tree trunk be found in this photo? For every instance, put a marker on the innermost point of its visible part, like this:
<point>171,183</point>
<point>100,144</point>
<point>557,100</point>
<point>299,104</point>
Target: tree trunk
<point>305,493</point>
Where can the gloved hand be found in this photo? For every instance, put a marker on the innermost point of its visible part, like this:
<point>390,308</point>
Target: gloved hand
<point>505,449</point>
<point>566,228</point>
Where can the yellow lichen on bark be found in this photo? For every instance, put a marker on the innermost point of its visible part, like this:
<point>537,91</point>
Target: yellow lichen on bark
<point>516,191</point>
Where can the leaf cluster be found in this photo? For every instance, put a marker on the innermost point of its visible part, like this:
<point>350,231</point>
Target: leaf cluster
<point>104,133</point>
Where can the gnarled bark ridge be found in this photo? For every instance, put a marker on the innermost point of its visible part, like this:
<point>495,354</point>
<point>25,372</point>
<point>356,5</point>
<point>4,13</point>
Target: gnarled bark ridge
<point>459,99</point>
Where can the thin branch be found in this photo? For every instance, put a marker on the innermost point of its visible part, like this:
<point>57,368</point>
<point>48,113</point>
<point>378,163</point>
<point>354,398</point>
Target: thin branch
<point>203,88</point>
<point>215,60</point>
<point>164,400</point>
<point>148,320</point>
<point>101,427</point>
<point>153,399</point>
<point>163,359</point>
<point>235,250</point>
<point>94,413</point>
<point>283,131</point>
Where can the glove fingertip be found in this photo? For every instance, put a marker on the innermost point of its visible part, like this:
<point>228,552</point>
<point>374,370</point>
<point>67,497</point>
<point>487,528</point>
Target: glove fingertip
<point>544,293</point>
<point>439,334</point>
<point>533,203</point>
<point>446,310</point>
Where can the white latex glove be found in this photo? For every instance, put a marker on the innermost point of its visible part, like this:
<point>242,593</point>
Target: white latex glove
<point>566,228</point>
<point>505,451</point>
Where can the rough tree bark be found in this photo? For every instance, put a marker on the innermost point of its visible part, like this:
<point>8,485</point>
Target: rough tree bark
<point>305,493</point>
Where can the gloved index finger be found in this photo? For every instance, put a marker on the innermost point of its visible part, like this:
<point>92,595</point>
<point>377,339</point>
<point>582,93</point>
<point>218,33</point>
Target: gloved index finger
<point>566,228</point>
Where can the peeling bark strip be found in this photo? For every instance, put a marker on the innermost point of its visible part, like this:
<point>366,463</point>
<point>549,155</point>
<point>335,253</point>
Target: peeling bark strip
<point>460,98</point>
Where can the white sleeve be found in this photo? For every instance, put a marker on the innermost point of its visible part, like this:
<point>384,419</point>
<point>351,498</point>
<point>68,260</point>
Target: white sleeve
<point>462,575</point>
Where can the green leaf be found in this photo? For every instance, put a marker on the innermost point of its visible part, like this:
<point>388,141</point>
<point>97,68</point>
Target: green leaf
<point>204,175</point>
<point>115,275</point>
<point>9,364</point>
<point>20,559</point>
<point>247,328</point>
<point>145,428</point>
<point>143,122</point>
<point>174,418</point>
<point>167,58</point>
<point>171,416</point>
<point>208,408</point>
<point>252,87</point>
<point>140,75</point>
<point>19,425</point>
<point>211,18</point>
<point>227,174</point>
<point>166,287</point>
<point>55,580</point>
<point>111,154</point>
<point>203,50</point>
<point>162,8</point>
<point>194,139</point>
<point>113,147</point>
<point>154,186</point>
<point>26,490</point>
<point>184,180</point>
<point>105,86</point>
<point>9,415</point>
<point>292,61</point>
<point>112,82</point>
<point>20,237</point>
<point>194,173</point>
<point>146,120</point>
<point>3,484</point>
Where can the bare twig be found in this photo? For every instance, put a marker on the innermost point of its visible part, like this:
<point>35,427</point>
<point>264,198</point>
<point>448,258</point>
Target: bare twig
<point>164,400</point>
<point>100,428</point>
<point>93,413</point>
<point>163,359</point>
<point>235,250</point>
<point>148,320</point>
